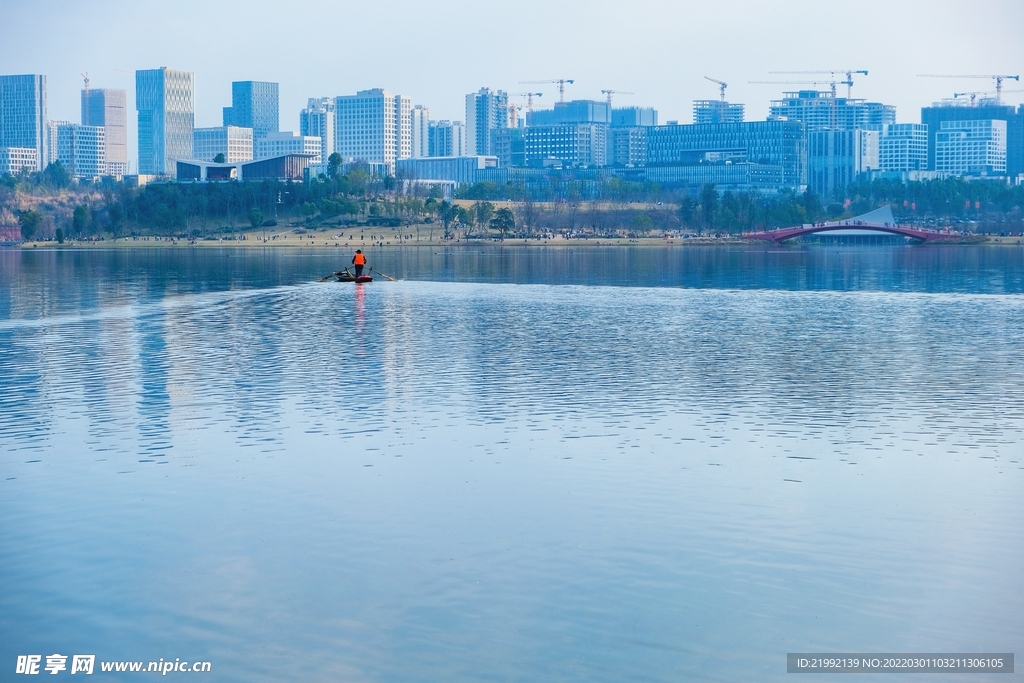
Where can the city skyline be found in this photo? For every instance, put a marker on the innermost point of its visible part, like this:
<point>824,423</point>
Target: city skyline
<point>657,50</point>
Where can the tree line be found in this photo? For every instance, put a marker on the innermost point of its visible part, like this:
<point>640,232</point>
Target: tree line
<point>48,204</point>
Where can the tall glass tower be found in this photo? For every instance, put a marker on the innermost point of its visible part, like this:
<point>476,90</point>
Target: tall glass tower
<point>23,114</point>
<point>165,100</point>
<point>253,105</point>
<point>109,108</point>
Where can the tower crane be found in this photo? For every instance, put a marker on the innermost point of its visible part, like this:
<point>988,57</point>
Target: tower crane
<point>609,93</point>
<point>722,85</point>
<point>998,78</point>
<point>85,99</point>
<point>975,94</point>
<point>513,108</point>
<point>561,85</point>
<point>832,72</point>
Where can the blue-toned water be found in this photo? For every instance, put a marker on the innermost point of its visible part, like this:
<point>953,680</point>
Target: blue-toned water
<point>530,464</point>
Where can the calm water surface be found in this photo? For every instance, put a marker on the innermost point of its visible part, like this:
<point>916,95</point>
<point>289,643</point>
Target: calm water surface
<point>512,465</point>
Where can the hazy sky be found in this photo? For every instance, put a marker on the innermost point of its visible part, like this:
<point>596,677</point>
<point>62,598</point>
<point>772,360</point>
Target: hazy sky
<point>437,51</point>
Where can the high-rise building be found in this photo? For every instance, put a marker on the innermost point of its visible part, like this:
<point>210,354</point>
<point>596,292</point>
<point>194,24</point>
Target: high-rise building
<point>373,126</point>
<point>486,111</point>
<point>283,143</point>
<point>975,147</point>
<point>987,110</point>
<point>819,109</point>
<point>419,122</point>
<point>23,115</point>
<point>165,100</point>
<point>447,139</point>
<point>632,117</point>
<point>81,150</point>
<point>569,144</point>
<point>509,146</point>
<point>575,111</point>
<point>627,146</point>
<point>836,158</point>
<point>317,120</point>
<point>108,108</point>
<point>234,142</point>
<point>903,147</point>
<point>774,142</point>
<point>254,104</point>
<point>716,111</point>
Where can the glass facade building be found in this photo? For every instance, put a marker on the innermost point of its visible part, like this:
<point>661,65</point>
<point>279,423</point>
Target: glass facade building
<point>234,142</point>
<point>81,150</point>
<point>254,104</point>
<point>165,100</point>
<point>773,142</point>
<point>446,139</point>
<point>109,108</point>
<point>317,120</point>
<point>23,115</point>
<point>934,116</point>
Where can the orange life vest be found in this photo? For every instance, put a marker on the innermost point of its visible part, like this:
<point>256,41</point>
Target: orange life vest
<point>359,260</point>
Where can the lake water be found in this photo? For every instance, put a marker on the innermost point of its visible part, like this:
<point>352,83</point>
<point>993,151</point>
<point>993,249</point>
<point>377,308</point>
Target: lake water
<point>531,464</point>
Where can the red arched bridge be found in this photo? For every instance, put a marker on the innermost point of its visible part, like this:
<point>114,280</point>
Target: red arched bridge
<point>879,220</point>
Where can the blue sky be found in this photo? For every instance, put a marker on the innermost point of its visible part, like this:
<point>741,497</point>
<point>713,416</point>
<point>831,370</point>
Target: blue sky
<point>437,51</point>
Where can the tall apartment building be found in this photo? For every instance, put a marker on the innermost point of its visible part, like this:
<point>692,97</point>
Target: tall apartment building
<point>419,122</point>
<point>317,120</point>
<point>82,150</point>
<point>486,111</point>
<point>446,139</point>
<point>283,143</point>
<point>254,104</point>
<point>23,115</point>
<point>836,158</point>
<point>108,108</point>
<point>975,147</point>
<point>571,144</point>
<point>627,137</point>
<point>935,115</point>
<point>774,142</point>
<point>234,142</point>
<point>903,147</point>
<point>165,100</point>
<point>716,111</point>
<point>818,109</point>
<point>374,126</point>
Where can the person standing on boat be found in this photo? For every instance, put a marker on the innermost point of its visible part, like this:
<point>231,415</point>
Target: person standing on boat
<point>359,260</point>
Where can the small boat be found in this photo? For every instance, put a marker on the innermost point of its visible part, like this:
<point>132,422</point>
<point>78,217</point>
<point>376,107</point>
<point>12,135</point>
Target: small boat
<point>346,276</point>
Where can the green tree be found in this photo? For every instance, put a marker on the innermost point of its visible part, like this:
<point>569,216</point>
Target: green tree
<point>448,213</point>
<point>708,204</point>
<point>80,220</point>
<point>484,212</point>
<point>333,164</point>
<point>219,159</point>
<point>56,176</point>
<point>29,221</point>
<point>255,217</point>
<point>504,221</point>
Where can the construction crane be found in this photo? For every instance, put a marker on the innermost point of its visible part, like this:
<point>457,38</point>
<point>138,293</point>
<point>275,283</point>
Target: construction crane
<point>513,108</point>
<point>975,94</point>
<point>609,94</point>
<point>722,85</point>
<point>832,72</point>
<point>561,85</point>
<point>85,99</point>
<point>998,78</point>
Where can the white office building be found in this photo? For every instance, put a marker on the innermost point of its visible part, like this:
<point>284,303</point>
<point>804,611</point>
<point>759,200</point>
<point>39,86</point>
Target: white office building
<point>81,150</point>
<point>973,148</point>
<point>234,142</point>
<point>14,160</point>
<point>486,111</point>
<point>374,126</point>
<point>317,120</point>
<point>447,139</point>
<point>287,142</point>
<point>420,131</point>
<point>23,115</point>
<point>903,147</point>
<point>165,100</point>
